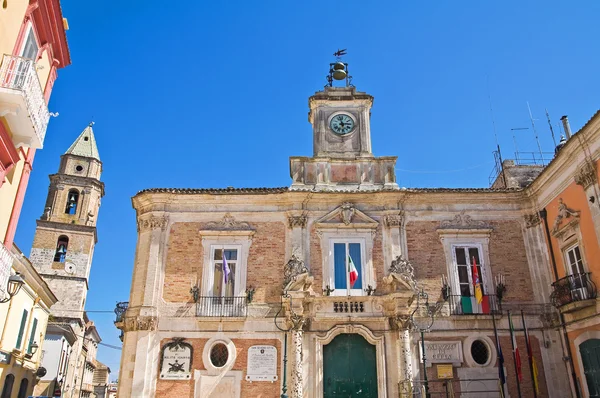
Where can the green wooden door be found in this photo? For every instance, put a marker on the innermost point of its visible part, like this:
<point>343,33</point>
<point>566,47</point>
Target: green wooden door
<point>590,356</point>
<point>349,368</point>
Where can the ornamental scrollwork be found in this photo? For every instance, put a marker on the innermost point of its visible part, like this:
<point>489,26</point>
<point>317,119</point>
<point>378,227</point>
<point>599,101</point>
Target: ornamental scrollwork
<point>298,322</point>
<point>393,220</point>
<point>463,221</point>
<point>227,223</point>
<point>152,223</point>
<point>402,270</point>
<point>347,212</point>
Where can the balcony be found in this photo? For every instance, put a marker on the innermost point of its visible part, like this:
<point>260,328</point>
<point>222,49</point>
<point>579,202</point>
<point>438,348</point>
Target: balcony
<point>6,262</point>
<point>22,101</point>
<point>573,292</point>
<point>211,306</point>
<point>467,305</point>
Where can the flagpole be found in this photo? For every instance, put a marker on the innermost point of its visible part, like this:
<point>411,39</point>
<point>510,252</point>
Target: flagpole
<point>529,356</point>
<point>512,340</point>
<point>501,362</point>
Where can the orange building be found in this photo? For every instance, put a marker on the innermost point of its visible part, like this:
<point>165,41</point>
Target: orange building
<point>567,193</point>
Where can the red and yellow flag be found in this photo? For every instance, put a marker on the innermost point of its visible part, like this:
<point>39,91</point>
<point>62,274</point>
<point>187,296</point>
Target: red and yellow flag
<point>477,283</point>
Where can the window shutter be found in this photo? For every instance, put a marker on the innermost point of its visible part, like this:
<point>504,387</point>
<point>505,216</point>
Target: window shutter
<point>32,336</point>
<point>21,330</point>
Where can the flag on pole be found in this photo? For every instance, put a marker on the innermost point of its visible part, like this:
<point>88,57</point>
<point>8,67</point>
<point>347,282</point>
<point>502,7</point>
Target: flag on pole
<point>226,270</point>
<point>516,354</point>
<point>477,283</point>
<point>352,271</point>
<point>501,375</point>
<point>534,371</point>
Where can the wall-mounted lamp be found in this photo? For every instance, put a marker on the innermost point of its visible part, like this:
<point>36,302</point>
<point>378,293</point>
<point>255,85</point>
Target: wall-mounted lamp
<point>14,285</point>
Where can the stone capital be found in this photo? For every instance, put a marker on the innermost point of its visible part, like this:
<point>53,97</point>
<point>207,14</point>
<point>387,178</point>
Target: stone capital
<point>531,220</point>
<point>152,223</point>
<point>139,323</point>
<point>586,175</point>
<point>297,221</point>
<point>393,220</point>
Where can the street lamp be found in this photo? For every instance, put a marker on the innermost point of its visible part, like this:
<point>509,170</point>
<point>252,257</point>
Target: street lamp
<point>14,285</point>
<point>33,348</point>
<point>422,322</point>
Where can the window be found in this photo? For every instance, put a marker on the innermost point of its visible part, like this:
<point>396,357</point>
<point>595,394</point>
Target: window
<point>8,386</point>
<point>32,335</point>
<point>224,275</point>
<point>463,291</point>
<point>21,330</point>
<point>23,388</point>
<point>480,352</point>
<point>574,261</point>
<point>72,200</point>
<point>30,49</point>
<point>219,354</point>
<point>61,249</point>
<point>347,266</point>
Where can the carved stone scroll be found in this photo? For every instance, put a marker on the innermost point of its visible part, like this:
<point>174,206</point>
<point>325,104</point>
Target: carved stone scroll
<point>463,221</point>
<point>564,212</point>
<point>297,221</point>
<point>139,323</point>
<point>403,272</point>
<point>228,223</point>
<point>393,220</point>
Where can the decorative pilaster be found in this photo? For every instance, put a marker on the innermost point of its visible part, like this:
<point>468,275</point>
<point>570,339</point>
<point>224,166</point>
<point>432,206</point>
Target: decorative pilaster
<point>406,386</point>
<point>587,177</point>
<point>297,379</point>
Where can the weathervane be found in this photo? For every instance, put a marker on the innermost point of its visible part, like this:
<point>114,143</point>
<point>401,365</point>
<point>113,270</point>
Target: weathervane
<point>338,70</point>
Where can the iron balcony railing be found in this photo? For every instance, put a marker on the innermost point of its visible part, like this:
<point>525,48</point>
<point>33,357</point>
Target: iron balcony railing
<point>572,288</point>
<point>19,74</point>
<point>468,305</point>
<point>120,310</point>
<point>222,306</point>
<point>6,262</point>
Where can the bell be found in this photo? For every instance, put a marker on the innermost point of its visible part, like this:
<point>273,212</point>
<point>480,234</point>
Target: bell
<point>339,66</point>
<point>339,74</point>
<point>72,198</point>
<point>62,249</point>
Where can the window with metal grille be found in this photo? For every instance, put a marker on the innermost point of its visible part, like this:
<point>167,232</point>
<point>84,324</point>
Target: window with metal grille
<point>219,355</point>
<point>480,352</point>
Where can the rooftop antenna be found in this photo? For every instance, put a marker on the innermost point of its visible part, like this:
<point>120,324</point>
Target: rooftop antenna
<point>551,129</point>
<point>338,70</point>
<point>496,135</point>
<point>515,141</point>
<point>535,133</point>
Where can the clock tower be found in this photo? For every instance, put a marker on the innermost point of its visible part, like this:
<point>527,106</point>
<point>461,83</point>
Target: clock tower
<point>342,155</point>
<point>65,237</point>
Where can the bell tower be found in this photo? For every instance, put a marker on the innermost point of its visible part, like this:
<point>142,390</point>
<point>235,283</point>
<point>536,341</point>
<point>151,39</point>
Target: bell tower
<point>340,116</point>
<point>65,237</point>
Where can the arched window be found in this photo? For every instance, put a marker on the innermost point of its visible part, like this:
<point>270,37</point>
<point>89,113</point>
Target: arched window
<point>72,199</point>
<point>8,385</point>
<point>23,388</point>
<point>61,249</point>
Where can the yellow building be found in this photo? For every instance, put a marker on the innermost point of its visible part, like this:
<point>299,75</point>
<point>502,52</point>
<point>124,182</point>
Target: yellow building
<point>23,320</point>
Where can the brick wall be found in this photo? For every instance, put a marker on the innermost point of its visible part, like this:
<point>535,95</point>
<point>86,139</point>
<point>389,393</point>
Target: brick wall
<point>265,261</point>
<point>184,261</point>
<point>506,251</point>
<point>185,388</point>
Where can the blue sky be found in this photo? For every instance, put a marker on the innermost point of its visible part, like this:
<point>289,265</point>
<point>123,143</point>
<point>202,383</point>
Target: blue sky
<point>214,94</point>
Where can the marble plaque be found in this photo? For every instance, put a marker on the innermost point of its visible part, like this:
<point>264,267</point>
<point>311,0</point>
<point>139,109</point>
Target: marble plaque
<point>262,363</point>
<point>442,352</point>
<point>176,361</point>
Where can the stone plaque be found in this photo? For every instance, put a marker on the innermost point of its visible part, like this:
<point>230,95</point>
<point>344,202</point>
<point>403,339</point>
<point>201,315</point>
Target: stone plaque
<point>442,352</point>
<point>262,363</point>
<point>176,360</point>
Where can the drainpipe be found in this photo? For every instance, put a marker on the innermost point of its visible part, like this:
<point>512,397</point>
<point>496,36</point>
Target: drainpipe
<point>544,215</point>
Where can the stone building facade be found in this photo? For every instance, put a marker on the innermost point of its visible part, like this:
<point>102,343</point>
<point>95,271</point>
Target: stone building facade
<point>321,288</point>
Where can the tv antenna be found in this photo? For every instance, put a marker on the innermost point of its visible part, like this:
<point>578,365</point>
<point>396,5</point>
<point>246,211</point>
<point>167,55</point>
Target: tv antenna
<point>535,133</point>
<point>515,141</point>
<point>551,129</point>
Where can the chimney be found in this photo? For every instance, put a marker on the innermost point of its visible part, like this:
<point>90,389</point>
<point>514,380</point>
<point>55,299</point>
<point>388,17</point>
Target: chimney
<point>566,126</point>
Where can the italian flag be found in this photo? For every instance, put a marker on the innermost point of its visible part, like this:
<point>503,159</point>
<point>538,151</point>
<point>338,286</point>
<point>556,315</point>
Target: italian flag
<point>352,271</point>
<point>515,349</point>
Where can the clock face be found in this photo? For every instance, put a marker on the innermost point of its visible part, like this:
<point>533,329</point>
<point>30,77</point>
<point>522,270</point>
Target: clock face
<point>341,124</point>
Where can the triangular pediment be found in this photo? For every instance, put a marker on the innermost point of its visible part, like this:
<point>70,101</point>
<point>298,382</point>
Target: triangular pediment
<point>347,216</point>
